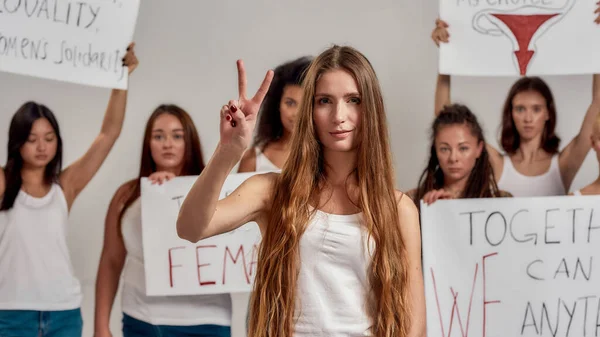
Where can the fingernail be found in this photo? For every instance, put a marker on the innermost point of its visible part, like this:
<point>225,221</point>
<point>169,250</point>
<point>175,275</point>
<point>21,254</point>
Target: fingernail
<point>228,118</point>
<point>233,108</point>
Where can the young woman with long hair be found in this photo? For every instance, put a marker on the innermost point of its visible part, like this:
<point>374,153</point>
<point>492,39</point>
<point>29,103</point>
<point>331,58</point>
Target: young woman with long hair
<point>341,248</point>
<point>171,147</point>
<point>39,293</point>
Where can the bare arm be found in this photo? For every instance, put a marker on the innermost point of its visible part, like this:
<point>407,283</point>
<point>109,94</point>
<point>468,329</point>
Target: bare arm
<point>411,234</point>
<point>248,162</point>
<point>572,156</point>
<point>202,214</point>
<point>442,93</point>
<point>111,263</point>
<point>75,177</point>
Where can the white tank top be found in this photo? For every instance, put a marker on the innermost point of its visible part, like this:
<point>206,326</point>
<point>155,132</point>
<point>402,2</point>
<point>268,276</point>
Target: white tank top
<point>162,310</point>
<point>519,185</point>
<point>35,266</point>
<point>333,284</point>
<point>263,164</point>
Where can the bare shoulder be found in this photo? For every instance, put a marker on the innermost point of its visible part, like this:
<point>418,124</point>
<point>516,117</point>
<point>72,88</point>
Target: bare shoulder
<point>124,191</point>
<point>406,207</point>
<point>504,194</point>
<point>260,184</point>
<point>248,161</point>
<point>409,217</point>
<point>410,193</point>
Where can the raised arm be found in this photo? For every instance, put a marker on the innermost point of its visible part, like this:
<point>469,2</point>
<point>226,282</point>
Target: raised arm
<point>442,89</point>
<point>572,156</point>
<point>202,214</point>
<point>75,177</point>
<point>442,95</point>
<point>111,263</point>
<point>411,234</point>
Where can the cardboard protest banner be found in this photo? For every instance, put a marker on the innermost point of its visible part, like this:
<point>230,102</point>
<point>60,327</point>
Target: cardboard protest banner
<point>512,267</point>
<point>520,37</point>
<point>80,41</point>
<point>222,264</point>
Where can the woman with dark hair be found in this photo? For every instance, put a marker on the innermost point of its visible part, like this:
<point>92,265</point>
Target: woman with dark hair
<point>39,293</point>
<point>458,165</point>
<point>171,148</point>
<point>532,164</point>
<point>276,119</point>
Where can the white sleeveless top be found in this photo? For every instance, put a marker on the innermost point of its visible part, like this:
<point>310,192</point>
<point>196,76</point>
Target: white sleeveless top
<point>35,266</point>
<point>263,164</point>
<point>519,185</point>
<point>333,284</point>
<point>162,310</point>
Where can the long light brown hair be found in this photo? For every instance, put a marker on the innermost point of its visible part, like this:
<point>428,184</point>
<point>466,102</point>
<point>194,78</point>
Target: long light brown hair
<point>300,183</point>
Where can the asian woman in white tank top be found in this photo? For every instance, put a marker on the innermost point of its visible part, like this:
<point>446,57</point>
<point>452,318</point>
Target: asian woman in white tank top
<point>171,148</point>
<point>276,119</point>
<point>532,164</point>
<point>340,252</point>
<point>39,293</point>
<point>594,187</point>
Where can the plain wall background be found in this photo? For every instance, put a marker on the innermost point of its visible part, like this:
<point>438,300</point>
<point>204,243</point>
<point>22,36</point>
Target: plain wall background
<point>187,51</point>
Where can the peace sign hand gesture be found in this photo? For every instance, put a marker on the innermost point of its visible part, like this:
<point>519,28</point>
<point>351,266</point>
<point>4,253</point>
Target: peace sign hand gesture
<point>238,118</point>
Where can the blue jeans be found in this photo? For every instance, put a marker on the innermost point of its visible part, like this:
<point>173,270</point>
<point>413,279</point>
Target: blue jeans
<point>30,323</point>
<point>135,328</point>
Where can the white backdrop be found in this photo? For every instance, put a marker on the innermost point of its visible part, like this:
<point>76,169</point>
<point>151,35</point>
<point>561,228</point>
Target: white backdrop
<point>187,51</point>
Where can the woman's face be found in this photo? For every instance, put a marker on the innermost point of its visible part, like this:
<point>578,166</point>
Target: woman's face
<point>457,150</point>
<point>167,143</point>
<point>40,147</point>
<point>288,106</point>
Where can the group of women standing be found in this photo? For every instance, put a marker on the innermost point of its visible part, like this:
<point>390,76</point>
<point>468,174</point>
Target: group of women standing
<point>341,247</point>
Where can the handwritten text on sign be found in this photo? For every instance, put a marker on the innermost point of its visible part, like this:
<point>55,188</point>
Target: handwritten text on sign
<point>80,41</point>
<point>221,264</point>
<point>512,267</point>
<point>519,37</point>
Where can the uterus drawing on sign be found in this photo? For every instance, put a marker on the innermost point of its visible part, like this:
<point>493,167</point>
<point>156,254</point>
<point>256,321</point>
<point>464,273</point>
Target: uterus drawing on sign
<point>523,26</point>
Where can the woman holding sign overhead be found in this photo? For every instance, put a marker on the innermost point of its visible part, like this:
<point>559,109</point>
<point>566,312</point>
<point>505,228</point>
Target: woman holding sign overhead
<point>39,294</point>
<point>276,120</point>
<point>532,164</point>
<point>171,148</point>
<point>340,251</point>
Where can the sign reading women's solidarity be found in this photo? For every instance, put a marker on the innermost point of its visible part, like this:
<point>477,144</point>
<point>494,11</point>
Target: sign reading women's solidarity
<point>80,41</point>
<point>520,37</point>
<point>222,264</point>
<point>512,267</point>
